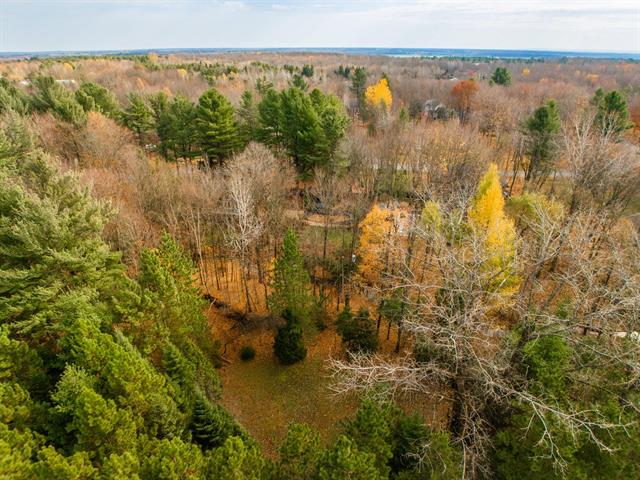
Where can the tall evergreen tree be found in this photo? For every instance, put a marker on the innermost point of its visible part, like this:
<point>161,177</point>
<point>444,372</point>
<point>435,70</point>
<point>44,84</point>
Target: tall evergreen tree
<point>333,118</point>
<point>612,115</point>
<point>304,137</point>
<point>359,87</point>
<point>45,251</point>
<point>501,76</point>
<point>291,283</point>
<point>345,461</point>
<point>370,430</point>
<point>171,459</point>
<point>211,424</point>
<point>271,124</point>
<point>13,99</point>
<point>237,460</point>
<point>306,127</point>
<point>541,131</point>
<point>299,453</point>
<point>138,116</point>
<point>158,102</point>
<point>248,114</point>
<point>50,95</point>
<point>176,129</point>
<point>217,130</point>
<point>94,97</point>
<point>181,372</point>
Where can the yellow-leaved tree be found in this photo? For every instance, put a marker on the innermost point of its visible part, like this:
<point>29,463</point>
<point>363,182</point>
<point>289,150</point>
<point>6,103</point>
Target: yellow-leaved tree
<point>379,95</point>
<point>497,232</point>
<point>372,247</point>
<point>431,216</point>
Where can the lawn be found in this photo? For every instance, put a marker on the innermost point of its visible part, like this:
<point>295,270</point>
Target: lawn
<point>265,396</point>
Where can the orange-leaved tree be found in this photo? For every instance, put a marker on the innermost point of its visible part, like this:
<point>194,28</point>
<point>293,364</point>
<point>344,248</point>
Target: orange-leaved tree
<point>463,93</point>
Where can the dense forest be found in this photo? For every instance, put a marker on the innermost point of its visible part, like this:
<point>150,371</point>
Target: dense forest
<point>315,266</point>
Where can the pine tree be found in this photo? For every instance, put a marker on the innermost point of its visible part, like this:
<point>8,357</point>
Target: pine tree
<point>370,431</point>
<point>171,459</point>
<point>237,460</point>
<point>94,97</point>
<point>12,99</point>
<point>345,461</point>
<point>409,434</point>
<point>181,372</point>
<point>248,114</point>
<point>299,453</point>
<point>159,103</point>
<point>305,140</point>
<point>176,129</point>
<point>612,116</point>
<point>50,95</point>
<point>217,130</point>
<point>307,71</point>
<point>53,464</point>
<point>45,249</point>
<point>270,131</point>
<point>138,116</point>
<point>288,345</point>
<point>333,118</point>
<point>542,129</point>
<point>211,424</point>
<point>16,138</point>
<point>501,76</point>
<point>358,88</point>
<point>298,82</point>
<point>306,127</point>
<point>291,283</point>
<point>98,426</point>
<point>169,296</point>
<point>357,332</point>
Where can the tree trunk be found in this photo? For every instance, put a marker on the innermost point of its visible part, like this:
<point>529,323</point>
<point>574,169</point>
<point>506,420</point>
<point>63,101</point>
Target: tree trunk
<point>397,350</point>
<point>456,422</point>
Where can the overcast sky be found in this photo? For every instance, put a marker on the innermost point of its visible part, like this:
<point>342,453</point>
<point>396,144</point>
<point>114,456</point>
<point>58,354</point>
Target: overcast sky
<point>586,25</point>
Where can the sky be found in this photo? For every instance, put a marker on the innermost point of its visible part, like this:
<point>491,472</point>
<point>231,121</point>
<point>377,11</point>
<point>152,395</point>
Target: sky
<point>568,25</point>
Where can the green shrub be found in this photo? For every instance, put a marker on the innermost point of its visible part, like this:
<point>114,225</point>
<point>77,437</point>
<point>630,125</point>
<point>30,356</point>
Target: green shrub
<point>247,353</point>
<point>358,332</point>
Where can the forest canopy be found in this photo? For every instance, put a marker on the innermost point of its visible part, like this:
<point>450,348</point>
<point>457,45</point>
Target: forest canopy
<point>280,266</point>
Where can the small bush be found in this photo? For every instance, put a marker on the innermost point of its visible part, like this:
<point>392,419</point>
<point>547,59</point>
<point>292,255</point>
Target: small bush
<point>247,353</point>
<point>358,332</point>
<point>319,314</point>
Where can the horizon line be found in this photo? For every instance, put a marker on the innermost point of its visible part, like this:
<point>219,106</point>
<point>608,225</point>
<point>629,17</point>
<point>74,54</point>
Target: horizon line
<point>310,49</point>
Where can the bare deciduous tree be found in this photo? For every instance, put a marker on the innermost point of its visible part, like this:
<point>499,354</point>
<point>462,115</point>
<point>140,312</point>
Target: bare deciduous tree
<point>469,335</point>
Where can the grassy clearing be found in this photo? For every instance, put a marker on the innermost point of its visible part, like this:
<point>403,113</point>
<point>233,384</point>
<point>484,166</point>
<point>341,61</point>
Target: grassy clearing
<point>265,396</point>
